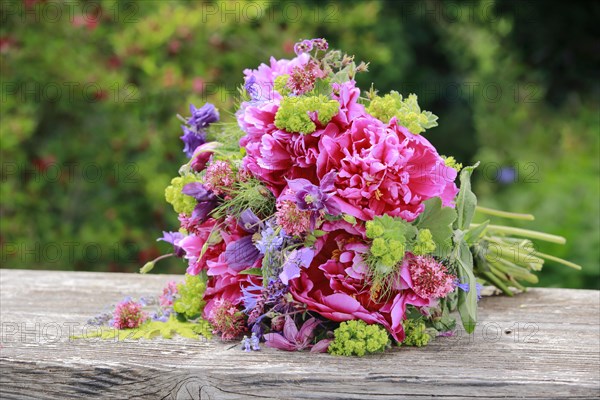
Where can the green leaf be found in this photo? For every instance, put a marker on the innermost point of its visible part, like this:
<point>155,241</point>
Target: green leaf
<point>467,301</point>
<point>350,219</point>
<point>152,329</point>
<point>251,271</point>
<point>466,200</point>
<point>396,228</point>
<point>439,221</point>
<point>474,234</point>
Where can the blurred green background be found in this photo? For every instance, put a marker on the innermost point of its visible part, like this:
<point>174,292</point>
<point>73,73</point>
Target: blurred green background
<point>90,91</point>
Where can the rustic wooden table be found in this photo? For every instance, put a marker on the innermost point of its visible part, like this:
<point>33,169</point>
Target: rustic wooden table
<point>540,344</point>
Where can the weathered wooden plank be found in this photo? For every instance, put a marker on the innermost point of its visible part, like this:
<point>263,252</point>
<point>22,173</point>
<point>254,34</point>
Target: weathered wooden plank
<point>540,344</point>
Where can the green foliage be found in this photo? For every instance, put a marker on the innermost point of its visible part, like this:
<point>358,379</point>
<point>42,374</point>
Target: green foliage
<point>189,302</point>
<point>250,194</point>
<point>293,113</point>
<point>152,329</point>
<point>415,333</point>
<point>462,259</point>
<point>407,111</point>
<point>356,338</point>
<point>438,221</point>
<point>181,203</point>
<point>466,201</point>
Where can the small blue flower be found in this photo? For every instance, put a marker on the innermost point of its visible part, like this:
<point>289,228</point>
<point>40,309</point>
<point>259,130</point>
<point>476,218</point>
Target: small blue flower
<point>246,344</point>
<point>254,341</point>
<point>465,287</point>
<point>270,240</point>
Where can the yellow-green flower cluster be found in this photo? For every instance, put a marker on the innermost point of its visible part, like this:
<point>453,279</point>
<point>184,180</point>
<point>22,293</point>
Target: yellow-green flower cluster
<point>293,113</point>
<point>424,244</point>
<point>452,163</point>
<point>389,243</point>
<point>356,338</point>
<point>181,203</point>
<point>407,111</point>
<point>190,303</point>
<point>415,333</point>
<point>280,84</point>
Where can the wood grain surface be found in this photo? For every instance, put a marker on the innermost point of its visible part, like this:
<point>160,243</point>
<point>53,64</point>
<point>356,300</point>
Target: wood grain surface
<point>537,345</point>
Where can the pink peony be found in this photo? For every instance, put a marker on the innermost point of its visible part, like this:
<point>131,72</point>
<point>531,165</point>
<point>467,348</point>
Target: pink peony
<point>384,169</point>
<point>260,81</point>
<point>334,285</point>
<point>273,155</point>
<point>347,95</point>
<point>192,246</point>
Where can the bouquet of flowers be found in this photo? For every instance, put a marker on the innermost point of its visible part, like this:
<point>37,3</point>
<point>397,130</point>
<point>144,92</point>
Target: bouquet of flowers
<point>323,218</point>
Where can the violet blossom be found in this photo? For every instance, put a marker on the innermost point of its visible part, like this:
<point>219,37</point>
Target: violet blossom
<point>206,199</point>
<point>293,339</point>
<point>298,258</point>
<point>194,134</point>
<point>173,238</point>
<point>310,197</point>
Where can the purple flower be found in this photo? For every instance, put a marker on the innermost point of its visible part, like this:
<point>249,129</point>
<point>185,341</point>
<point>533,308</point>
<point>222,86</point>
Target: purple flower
<point>194,134</point>
<point>191,140</point>
<point>173,238</point>
<point>296,259</point>
<point>320,44</point>
<point>303,46</point>
<point>202,117</point>
<point>292,338</point>
<point>241,254</point>
<point>252,88</point>
<point>310,197</point>
<point>249,221</point>
<point>270,240</point>
<point>465,287</point>
<point>207,201</point>
<point>101,319</point>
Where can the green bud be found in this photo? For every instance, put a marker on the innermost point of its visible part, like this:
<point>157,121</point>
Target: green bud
<point>147,267</point>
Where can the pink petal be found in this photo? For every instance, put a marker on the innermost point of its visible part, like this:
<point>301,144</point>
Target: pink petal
<point>321,346</point>
<point>276,341</point>
<point>306,333</point>
<point>290,331</point>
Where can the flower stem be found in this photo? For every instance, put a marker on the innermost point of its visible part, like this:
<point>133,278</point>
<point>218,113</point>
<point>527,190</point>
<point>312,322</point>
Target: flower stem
<point>526,233</point>
<point>504,214</point>
<point>558,260</point>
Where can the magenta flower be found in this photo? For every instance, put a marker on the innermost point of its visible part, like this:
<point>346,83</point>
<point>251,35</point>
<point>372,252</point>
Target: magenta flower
<point>168,295</point>
<point>128,314</point>
<point>430,279</point>
<point>219,177</point>
<point>384,169</point>
<point>260,81</point>
<point>293,339</point>
<point>293,220</point>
